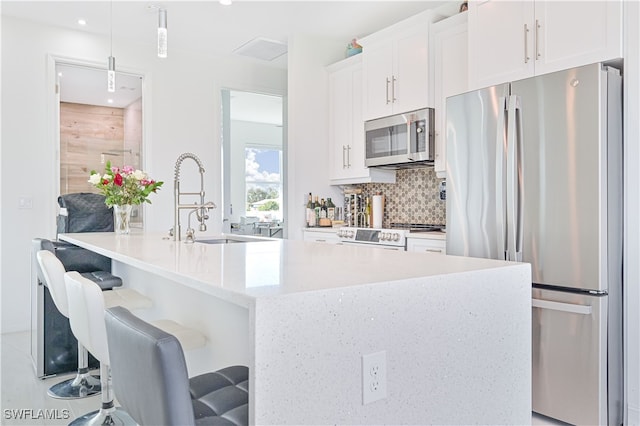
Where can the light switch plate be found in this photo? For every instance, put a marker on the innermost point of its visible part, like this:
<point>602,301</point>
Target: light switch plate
<point>25,203</point>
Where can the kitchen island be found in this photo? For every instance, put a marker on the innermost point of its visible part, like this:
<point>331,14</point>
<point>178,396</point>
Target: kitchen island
<point>456,331</point>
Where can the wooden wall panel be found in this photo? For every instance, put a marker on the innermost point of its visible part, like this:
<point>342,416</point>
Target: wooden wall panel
<point>86,132</point>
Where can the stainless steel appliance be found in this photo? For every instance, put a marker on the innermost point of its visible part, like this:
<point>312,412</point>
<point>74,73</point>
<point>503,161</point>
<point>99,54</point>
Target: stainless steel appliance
<point>400,140</point>
<point>418,227</point>
<point>389,239</point>
<point>534,175</point>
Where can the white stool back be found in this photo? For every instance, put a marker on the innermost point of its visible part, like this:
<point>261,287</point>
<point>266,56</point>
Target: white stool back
<point>86,315</point>
<point>53,273</point>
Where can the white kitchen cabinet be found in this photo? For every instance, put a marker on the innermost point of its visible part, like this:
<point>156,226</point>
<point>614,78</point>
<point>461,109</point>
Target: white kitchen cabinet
<point>328,236</point>
<point>346,127</point>
<point>396,67</point>
<point>425,245</point>
<point>448,40</point>
<point>510,40</point>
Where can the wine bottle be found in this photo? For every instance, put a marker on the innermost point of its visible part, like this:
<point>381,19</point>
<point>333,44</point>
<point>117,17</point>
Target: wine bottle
<point>316,208</point>
<point>331,209</point>
<point>323,209</point>
<point>309,211</point>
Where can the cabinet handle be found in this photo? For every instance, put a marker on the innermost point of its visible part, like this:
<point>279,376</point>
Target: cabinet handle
<point>433,250</point>
<point>348,156</point>
<point>344,150</point>
<point>537,40</point>
<point>393,88</point>
<point>321,241</point>
<point>526,48</point>
<point>388,90</point>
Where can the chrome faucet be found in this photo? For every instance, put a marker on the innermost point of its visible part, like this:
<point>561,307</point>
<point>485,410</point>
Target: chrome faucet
<point>201,209</point>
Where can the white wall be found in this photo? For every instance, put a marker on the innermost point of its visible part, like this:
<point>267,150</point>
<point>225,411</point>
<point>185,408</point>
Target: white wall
<point>181,112</point>
<point>309,125</point>
<point>632,212</point>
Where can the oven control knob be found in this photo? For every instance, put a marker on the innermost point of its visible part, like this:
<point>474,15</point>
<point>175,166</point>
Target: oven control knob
<point>384,236</point>
<point>396,237</point>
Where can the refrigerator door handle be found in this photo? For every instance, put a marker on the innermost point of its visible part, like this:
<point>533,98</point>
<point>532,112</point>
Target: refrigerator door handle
<point>562,307</point>
<point>512,179</point>
<point>501,238</point>
<point>519,147</point>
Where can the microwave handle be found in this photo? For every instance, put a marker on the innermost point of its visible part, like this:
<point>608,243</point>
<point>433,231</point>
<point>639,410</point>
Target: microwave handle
<point>419,129</point>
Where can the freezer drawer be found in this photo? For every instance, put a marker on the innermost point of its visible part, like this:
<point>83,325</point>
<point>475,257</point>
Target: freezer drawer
<point>569,370</point>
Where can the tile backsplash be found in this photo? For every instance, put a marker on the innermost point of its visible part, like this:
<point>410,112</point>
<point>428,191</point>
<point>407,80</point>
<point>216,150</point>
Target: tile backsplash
<point>414,198</point>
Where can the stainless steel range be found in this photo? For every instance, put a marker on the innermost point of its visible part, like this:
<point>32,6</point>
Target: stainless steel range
<point>390,239</point>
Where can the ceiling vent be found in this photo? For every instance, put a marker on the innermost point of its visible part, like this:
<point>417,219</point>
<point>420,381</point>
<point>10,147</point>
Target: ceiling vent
<point>262,48</point>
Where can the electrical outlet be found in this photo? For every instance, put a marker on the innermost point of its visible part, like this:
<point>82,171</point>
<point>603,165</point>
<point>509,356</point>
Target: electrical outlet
<point>374,377</point>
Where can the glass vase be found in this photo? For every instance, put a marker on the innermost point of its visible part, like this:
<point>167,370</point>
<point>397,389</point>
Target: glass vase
<point>122,218</point>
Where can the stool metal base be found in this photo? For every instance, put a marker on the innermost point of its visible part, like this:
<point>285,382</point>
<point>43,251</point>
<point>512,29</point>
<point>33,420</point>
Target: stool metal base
<point>81,386</point>
<point>105,417</point>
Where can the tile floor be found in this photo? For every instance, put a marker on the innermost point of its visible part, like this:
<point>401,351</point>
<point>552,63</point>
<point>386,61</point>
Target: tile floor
<point>24,399</point>
<point>23,394</point>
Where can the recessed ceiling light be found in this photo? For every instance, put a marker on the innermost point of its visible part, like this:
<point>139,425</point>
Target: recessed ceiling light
<point>225,2</point>
<point>110,101</point>
<point>60,74</point>
<point>82,22</point>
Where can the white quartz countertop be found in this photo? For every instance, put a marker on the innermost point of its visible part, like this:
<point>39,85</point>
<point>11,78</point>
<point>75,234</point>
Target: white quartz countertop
<point>243,272</point>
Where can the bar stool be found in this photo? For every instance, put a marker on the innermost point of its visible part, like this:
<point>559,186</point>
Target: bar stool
<point>86,315</point>
<point>83,384</point>
<point>150,378</point>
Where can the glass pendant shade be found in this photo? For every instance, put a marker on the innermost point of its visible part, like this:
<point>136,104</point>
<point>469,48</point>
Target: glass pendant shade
<point>162,33</point>
<point>111,75</point>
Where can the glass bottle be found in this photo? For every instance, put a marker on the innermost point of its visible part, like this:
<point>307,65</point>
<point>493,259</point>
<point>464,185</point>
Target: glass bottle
<point>309,211</point>
<point>316,208</point>
<point>331,209</point>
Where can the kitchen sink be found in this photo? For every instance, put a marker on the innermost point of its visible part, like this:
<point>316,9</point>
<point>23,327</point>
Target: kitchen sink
<point>220,241</point>
<point>228,241</point>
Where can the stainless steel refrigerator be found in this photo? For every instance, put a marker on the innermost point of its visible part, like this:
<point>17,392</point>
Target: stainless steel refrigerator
<point>534,174</point>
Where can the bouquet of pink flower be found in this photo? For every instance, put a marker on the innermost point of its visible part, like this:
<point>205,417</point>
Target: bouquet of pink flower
<point>122,186</point>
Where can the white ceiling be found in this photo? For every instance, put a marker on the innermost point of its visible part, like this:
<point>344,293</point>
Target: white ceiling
<point>206,27</point>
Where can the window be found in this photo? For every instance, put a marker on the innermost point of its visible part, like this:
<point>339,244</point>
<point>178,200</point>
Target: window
<point>263,179</point>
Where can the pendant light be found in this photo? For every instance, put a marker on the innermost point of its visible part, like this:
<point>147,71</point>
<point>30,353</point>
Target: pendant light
<point>111,71</point>
<point>162,33</point>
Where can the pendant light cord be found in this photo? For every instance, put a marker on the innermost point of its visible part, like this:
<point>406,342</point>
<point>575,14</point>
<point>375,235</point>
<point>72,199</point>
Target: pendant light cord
<point>111,28</point>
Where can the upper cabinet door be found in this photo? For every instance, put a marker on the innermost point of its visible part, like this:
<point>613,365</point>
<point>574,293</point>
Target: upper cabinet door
<point>411,72</point>
<point>501,41</point>
<point>377,63</point>
<point>341,120</point>
<point>511,40</point>
<point>396,67</point>
<point>449,55</point>
<point>572,34</point>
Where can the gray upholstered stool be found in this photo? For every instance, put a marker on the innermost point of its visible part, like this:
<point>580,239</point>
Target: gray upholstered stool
<point>152,384</point>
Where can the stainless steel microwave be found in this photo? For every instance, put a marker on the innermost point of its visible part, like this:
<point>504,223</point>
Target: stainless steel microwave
<point>400,140</point>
